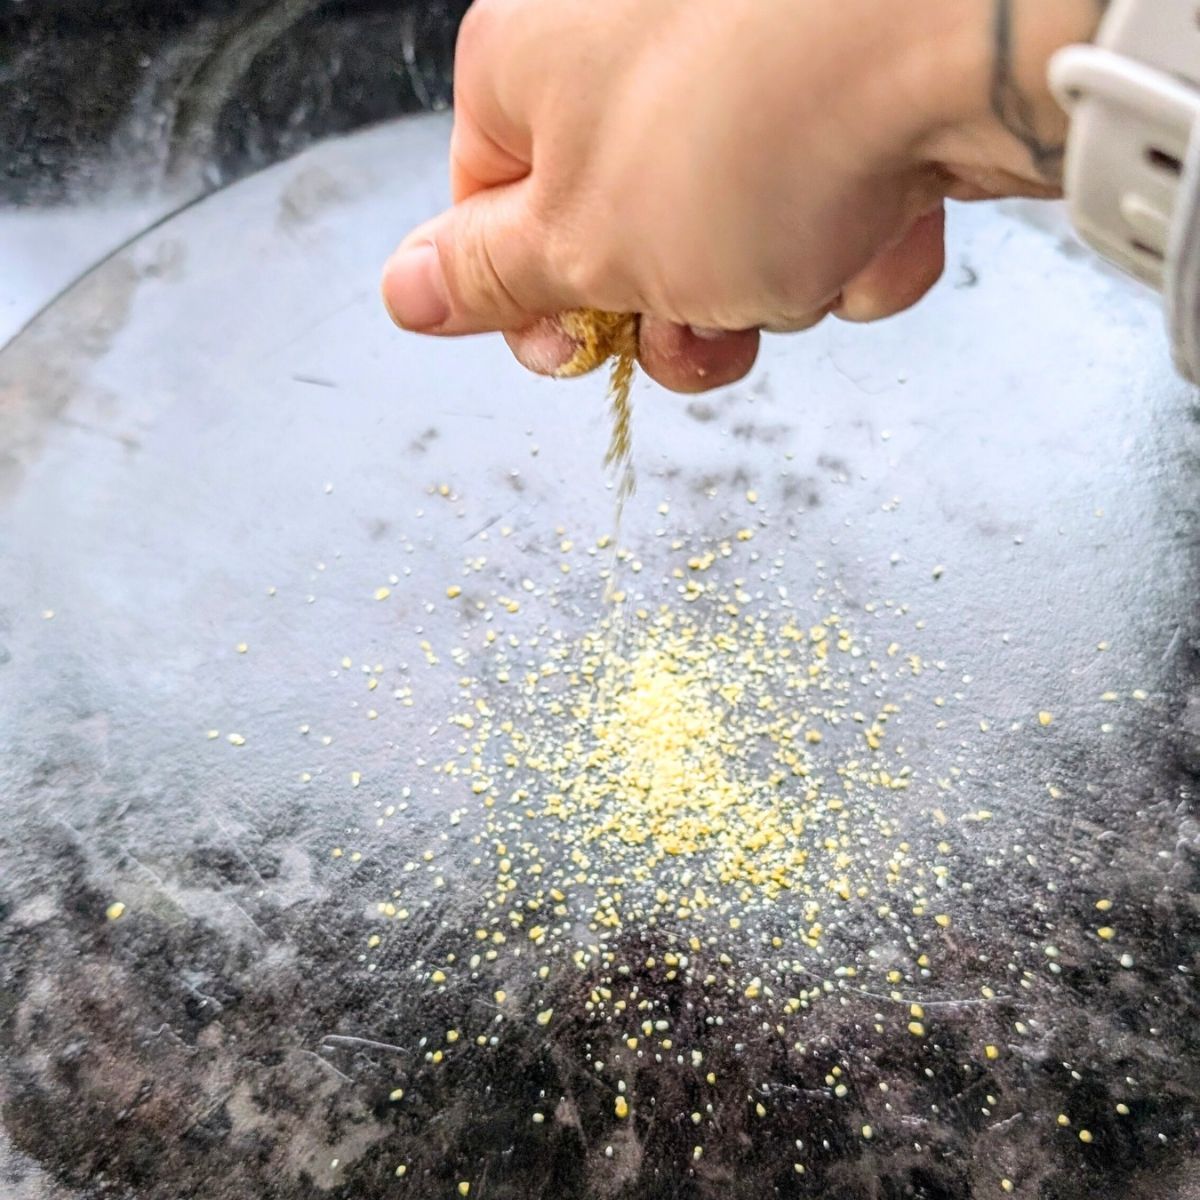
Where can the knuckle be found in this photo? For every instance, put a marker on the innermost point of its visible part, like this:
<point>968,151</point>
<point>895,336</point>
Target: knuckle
<point>581,264</point>
<point>481,27</point>
<point>473,32</point>
<point>584,273</point>
<point>577,245</point>
<point>674,301</point>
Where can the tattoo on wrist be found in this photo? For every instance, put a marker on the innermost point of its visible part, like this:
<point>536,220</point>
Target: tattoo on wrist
<point>1013,107</point>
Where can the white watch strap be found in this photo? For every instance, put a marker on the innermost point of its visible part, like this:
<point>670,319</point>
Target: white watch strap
<point>1132,175</point>
<point>1182,281</point>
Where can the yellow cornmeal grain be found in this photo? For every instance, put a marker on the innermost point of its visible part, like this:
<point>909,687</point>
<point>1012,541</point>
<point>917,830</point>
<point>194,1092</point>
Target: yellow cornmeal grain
<point>676,774</point>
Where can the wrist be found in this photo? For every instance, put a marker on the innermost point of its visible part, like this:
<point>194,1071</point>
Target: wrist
<point>998,128</point>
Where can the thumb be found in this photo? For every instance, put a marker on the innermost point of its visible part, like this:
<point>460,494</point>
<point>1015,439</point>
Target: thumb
<point>479,266</point>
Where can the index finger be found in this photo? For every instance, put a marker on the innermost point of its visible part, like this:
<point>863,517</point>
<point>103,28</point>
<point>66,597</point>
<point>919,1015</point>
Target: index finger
<point>478,161</point>
<point>491,143</point>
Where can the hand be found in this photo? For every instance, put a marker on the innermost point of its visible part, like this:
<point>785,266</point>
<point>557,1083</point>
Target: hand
<point>721,166</point>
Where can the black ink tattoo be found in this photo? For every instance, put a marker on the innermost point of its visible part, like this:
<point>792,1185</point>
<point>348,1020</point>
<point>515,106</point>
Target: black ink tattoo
<point>1011,105</point>
<point>1009,102</point>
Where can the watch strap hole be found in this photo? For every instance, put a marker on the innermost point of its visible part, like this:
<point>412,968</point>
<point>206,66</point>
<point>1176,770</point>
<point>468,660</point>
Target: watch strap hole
<point>1149,251</point>
<point>1164,161</point>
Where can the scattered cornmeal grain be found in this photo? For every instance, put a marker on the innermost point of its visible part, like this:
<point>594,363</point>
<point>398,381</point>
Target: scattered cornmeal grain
<point>606,812</point>
<point>1106,933</point>
<point>382,593</point>
<point>1085,1135</point>
<point>464,1188</point>
<point>706,780</point>
<point>115,911</point>
<point>672,770</point>
<point>1044,718</point>
<point>453,592</point>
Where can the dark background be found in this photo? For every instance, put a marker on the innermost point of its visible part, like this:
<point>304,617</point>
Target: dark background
<point>162,94</point>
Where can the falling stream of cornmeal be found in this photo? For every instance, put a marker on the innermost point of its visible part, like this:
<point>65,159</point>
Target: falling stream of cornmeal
<point>609,337</point>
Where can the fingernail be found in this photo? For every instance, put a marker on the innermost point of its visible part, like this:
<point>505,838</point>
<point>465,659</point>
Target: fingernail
<point>414,288</point>
<point>705,334</point>
<point>545,347</point>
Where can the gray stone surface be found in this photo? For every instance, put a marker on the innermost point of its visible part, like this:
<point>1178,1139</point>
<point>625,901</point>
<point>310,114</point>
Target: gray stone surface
<point>168,430</point>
